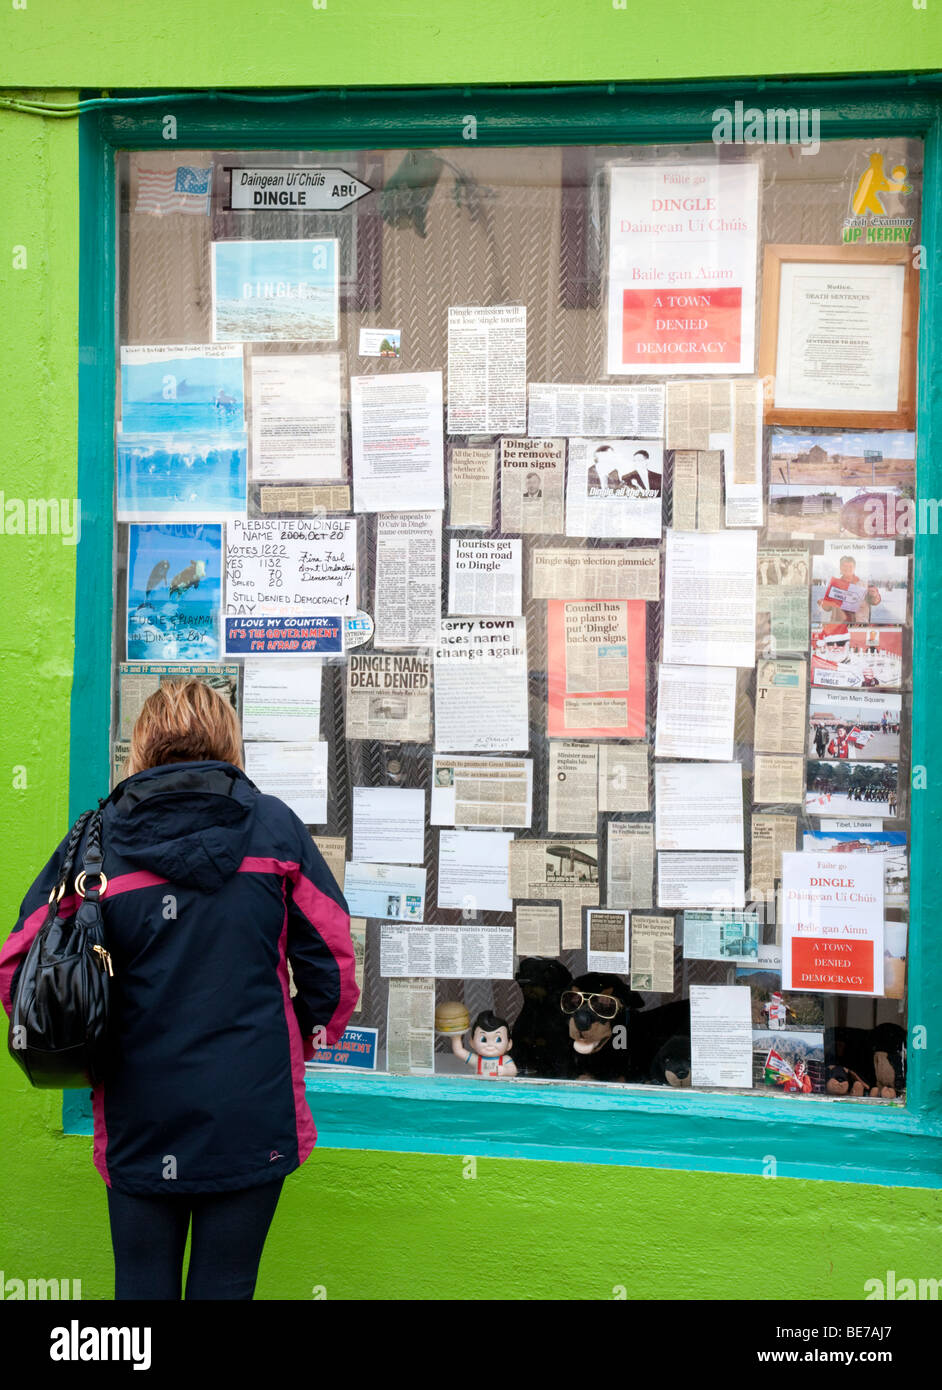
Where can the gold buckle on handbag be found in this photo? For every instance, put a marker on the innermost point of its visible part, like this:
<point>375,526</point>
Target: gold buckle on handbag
<point>80,884</point>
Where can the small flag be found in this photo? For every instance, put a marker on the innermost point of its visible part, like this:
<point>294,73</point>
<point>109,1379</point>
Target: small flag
<point>162,191</point>
<point>777,1070</point>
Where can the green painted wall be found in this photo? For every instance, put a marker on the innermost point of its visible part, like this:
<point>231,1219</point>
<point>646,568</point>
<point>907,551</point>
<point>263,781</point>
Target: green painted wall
<point>300,43</point>
<point>360,1224</point>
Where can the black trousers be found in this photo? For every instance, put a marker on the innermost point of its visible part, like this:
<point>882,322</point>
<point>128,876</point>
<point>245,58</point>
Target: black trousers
<point>229,1230</point>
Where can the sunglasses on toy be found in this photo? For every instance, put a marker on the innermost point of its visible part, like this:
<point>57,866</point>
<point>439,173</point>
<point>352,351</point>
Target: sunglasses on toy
<point>602,1005</point>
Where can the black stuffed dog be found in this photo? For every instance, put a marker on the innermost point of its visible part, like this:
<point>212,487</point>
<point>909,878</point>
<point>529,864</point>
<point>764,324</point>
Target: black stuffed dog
<point>541,1040</point>
<point>599,1029</point>
<point>671,1065</point>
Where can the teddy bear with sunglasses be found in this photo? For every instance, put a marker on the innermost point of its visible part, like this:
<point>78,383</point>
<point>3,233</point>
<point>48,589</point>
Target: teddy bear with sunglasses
<point>597,1007</point>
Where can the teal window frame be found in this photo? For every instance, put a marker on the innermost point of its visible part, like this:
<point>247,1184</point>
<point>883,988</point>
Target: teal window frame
<point>648,1127</point>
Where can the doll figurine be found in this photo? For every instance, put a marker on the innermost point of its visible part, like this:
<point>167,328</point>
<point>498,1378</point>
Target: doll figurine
<point>489,1047</point>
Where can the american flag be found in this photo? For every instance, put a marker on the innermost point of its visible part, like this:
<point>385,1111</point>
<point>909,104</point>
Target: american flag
<point>160,191</point>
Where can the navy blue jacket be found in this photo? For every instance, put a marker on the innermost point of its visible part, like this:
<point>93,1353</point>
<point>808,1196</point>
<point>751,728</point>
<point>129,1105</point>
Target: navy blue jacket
<point>212,888</point>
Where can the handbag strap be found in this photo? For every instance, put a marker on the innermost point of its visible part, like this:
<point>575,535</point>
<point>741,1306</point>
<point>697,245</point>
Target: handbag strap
<point>68,859</point>
<point>92,862</point>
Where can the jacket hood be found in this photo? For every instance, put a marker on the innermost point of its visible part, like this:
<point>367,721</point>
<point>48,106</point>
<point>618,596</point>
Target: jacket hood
<point>188,822</point>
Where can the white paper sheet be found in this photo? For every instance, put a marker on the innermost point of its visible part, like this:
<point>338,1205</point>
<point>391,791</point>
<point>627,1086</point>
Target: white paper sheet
<point>696,712</point>
<point>721,1035</point>
<point>388,825</point>
<point>701,880</point>
<point>296,417</point>
<point>295,772</point>
<point>396,433</point>
<point>710,598</point>
<point>485,577</point>
<point>281,701</point>
<point>699,805</point>
<point>480,686</point>
<point>473,870</point>
<point>459,951</point>
<point>392,891</point>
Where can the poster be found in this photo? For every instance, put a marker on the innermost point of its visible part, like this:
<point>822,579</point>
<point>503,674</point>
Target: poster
<point>472,487</point>
<point>839,336</point>
<point>299,567</point>
<point>832,923</point>
<point>710,599</point>
<point>408,578</point>
<point>484,792</point>
<point>481,690</point>
<point>487,369</point>
<point>620,412</point>
<point>136,681</point>
<point>296,417</point>
<point>855,837</point>
<point>189,477</point>
<point>314,636</point>
<point>596,668</point>
<point>682,268</point>
<point>182,390</point>
<point>485,577</point>
<point>396,433</point>
<point>389,697</point>
<point>266,290</point>
<point>532,473</point>
<point>615,572</point>
<point>174,592</point>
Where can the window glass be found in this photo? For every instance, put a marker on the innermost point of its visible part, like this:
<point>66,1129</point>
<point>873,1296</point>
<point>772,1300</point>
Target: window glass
<point>547,514</point>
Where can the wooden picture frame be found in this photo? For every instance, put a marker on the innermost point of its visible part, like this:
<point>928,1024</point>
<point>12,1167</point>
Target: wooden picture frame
<point>904,416</point>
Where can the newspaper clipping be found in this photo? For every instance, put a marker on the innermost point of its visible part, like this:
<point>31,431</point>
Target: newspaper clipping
<point>596,668</point>
<point>630,863</point>
<point>308,501</point>
<point>607,940</point>
<point>410,1027</point>
<point>537,930</point>
<point>634,572</point>
<point>652,953</point>
<point>780,706</point>
<point>615,411</point>
<point>389,697</point>
<point>485,577</point>
<point>408,578</point>
<point>573,788</point>
<point>481,696</point>
<point>487,369</point>
<point>472,487</point>
<point>771,836</point>
<point>778,781</point>
<point>532,472</point>
<point>459,951</point>
<point>784,576</point>
<point>623,776</point>
<point>139,679</point>
<point>494,792</point>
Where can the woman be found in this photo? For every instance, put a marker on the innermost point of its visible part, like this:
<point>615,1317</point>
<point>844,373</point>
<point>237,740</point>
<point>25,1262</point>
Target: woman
<point>212,889</point>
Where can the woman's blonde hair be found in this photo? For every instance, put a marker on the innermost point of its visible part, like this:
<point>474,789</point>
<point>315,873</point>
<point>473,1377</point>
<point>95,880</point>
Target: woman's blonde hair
<point>185,721</point>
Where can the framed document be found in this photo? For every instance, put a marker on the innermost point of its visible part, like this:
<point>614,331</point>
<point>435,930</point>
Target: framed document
<point>838,341</point>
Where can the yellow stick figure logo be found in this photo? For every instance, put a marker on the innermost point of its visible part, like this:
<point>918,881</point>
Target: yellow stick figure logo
<point>873,181</point>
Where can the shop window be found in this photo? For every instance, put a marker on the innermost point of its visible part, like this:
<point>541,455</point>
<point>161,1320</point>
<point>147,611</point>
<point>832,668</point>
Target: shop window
<point>547,514</point>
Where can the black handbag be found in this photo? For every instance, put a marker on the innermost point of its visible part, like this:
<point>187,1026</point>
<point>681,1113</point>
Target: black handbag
<point>59,1021</point>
